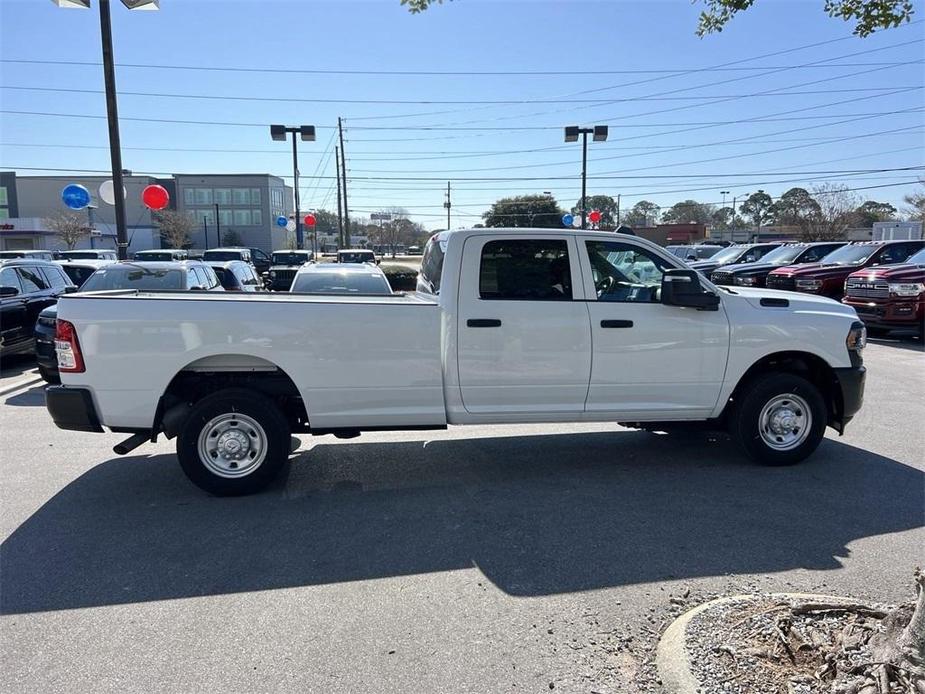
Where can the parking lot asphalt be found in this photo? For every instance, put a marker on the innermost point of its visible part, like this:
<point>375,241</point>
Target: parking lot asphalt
<point>480,559</point>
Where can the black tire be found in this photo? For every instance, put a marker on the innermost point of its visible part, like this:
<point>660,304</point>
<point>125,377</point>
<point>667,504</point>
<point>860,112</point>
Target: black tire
<point>49,376</point>
<point>271,436</point>
<point>745,423</point>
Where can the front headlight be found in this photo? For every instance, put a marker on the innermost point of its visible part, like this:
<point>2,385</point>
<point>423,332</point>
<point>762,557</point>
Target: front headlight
<point>907,288</point>
<point>746,281</point>
<point>857,338</point>
<point>272,273</point>
<point>811,285</point>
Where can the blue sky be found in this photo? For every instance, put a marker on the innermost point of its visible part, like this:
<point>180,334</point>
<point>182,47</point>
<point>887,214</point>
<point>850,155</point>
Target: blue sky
<point>832,108</point>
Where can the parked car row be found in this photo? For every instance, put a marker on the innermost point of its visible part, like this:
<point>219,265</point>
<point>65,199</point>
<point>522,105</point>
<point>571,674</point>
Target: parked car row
<point>884,281</point>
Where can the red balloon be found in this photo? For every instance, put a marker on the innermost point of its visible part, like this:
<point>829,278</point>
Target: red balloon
<point>594,216</point>
<point>309,220</point>
<point>155,197</point>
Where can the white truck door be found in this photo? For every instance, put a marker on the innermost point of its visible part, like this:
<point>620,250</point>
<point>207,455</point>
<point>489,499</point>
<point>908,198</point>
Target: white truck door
<point>524,342</point>
<point>649,358</point>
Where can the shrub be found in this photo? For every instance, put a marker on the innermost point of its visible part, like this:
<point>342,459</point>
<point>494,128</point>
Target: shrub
<point>400,277</point>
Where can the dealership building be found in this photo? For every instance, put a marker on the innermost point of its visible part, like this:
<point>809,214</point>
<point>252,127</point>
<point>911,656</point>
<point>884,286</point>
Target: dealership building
<point>245,204</point>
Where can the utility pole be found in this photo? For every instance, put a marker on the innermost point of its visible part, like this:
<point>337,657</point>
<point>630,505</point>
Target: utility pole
<point>205,231</point>
<point>618,210</point>
<point>343,172</point>
<point>572,133</point>
<point>340,219</point>
<point>447,205</point>
<point>306,133</point>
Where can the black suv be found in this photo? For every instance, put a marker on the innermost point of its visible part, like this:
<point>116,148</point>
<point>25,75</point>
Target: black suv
<point>744,253</point>
<point>285,265</point>
<point>755,274</point>
<point>27,287</point>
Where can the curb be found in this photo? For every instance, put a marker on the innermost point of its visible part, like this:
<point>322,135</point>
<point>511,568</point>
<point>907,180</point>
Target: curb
<point>671,656</point>
<point>19,385</point>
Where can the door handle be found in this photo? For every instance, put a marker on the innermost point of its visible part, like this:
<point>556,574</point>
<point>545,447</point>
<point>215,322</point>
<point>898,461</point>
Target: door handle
<point>483,323</point>
<point>616,324</point>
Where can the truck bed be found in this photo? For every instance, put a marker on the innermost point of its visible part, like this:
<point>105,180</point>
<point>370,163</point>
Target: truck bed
<point>370,361</point>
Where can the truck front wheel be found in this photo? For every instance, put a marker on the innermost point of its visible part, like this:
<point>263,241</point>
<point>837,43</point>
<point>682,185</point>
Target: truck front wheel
<point>234,442</point>
<point>779,419</point>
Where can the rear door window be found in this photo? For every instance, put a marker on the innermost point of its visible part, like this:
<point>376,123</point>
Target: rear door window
<point>525,270</point>
<point>32,280</point>
<point>55,277</point>
<point>9,278</point>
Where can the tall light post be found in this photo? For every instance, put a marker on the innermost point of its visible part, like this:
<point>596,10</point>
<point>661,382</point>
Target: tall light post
<point>571,135</point>
<point>112,111</point>
<point>307,134</point>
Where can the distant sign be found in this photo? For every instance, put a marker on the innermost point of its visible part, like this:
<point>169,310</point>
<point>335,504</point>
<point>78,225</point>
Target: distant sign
<point>380,216</point>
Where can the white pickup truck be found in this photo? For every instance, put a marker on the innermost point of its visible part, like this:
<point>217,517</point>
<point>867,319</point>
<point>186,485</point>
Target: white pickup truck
<point>507,325</point>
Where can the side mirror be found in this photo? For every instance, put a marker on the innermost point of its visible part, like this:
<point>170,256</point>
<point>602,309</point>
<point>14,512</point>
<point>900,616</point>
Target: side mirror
<point>70,290</point>
<point>8,291</point>
<point>197,288</point>
<point>683,288</point>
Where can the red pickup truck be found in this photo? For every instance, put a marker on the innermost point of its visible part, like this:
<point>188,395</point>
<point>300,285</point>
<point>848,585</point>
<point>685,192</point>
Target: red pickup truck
<point>828,278</point>
<point>889,297</point>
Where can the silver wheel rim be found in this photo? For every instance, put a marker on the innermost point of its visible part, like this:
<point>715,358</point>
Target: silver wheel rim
<point>785,422</point>
<point>232,445</point>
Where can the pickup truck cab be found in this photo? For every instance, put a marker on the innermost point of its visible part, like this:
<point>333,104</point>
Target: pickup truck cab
<point>755,274</point>
<point>889,297</point>
<point>511,325</point>
<point>827,277</point>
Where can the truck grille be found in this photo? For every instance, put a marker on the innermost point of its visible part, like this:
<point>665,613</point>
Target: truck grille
<point>724,278</point>
<point>284,277</point>
<point>867,290</point>
<point>781,282</point>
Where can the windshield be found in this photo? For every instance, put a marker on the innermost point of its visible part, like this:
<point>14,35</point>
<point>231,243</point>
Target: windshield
<point>221,255</point>
<point>290,258</point>
<point>357,257</point>
<point>917,258</point>
<point>784,254</point>
<point>727,255</point>
<point>849,255</point>
<point>81,255</point>
<point>78,273</point>
<point>154,256</point>
<point>133,278</point>
<point>340,283</point>
<point>12,254</point>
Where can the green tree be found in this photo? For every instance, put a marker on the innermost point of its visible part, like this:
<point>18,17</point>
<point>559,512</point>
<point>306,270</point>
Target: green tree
<point>688,211</point>
<point>757,208</point>
<point>796,207</point>
<point>525,211</point>
<point>604,204</point>
<point>642,214</point>
<point>873,211</point>
<point>722,218</point>
<point>868,15</point>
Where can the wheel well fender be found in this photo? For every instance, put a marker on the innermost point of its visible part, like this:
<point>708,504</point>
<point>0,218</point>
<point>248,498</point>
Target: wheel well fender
<point>204,376</point>
<point>810,366</point>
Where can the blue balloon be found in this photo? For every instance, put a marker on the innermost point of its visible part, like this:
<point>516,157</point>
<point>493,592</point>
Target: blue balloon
<point>567,220</point>
<point>75,196</point>
<point>281,221</point>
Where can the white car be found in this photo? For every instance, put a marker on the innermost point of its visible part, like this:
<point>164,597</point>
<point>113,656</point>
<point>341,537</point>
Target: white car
<point>509,325</point>
<point>89,254</point>
<point>340,278</point>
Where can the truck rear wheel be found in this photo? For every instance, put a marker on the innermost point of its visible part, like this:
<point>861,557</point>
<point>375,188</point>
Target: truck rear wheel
<point>779,419</point>
<point>234,442</point>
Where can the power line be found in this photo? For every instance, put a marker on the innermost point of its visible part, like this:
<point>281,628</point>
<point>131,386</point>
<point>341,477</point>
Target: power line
<point>500,102</point>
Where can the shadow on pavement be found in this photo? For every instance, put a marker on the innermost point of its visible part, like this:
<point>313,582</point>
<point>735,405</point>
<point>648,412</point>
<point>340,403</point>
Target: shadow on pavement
<point>16,365</point>
<point>34,397</point>
<point>537,514</point>
<point>899,341</point>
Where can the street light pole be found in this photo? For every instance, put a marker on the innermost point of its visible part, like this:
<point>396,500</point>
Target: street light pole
<point>307,133</point>
<point>112,110</point>
<point>571,135</point>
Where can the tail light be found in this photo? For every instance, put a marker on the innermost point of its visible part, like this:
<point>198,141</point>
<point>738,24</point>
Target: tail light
<point>70,360</point>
